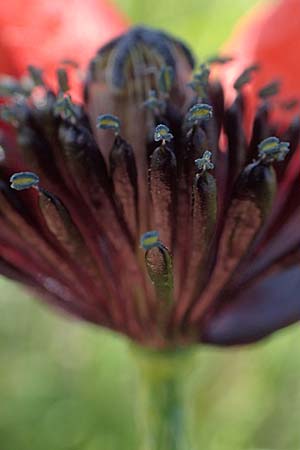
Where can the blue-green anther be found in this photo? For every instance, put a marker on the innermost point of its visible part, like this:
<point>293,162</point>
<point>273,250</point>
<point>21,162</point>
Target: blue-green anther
<point>162,133</point>
<point>149,240</point>
<point>166,79</point>
<point>199,112</point>
<point>271,149</point>
<point>24,180</point>
<point>204,163</point>
<point>109,122</point>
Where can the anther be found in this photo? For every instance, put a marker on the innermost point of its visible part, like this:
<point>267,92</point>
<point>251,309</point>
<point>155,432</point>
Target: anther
<point>219,59</point>
<point>198,113</point>
<point>199,82</point>
<point>109,122</point>
<point>63,81</point>
<point>271,150</point>
<point>166,79</point>
<point>70,62</point>
<point>65,107</point>
<point>24,180</point>
<point>269,90</point>
<point>162,133</point>
<point>245,76</point>
<point>203,164</point>
<point>36,75</point>
<point>149,240</point>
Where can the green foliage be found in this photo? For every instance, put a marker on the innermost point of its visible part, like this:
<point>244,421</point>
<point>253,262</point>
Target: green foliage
<point>203,24</point>
<point>67,385</point>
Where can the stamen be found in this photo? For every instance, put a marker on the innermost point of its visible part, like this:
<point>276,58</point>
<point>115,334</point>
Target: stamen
<point>65,107</point>
<point>245,77</point>
<point>199,82</point>
<point>204,217</point>
<point>251,203</point>
<point>159,265</point>
<point>149,240</point>
<point>61,225</point>
<point>24,180</point>
<point>198,113</point>
<point>166,79</point>
<point>219,59</point>
<point>269,90</point>
<point>271,150</point>
<point>63,81</point>
<point>109,122</point>
<point>289,104</point>
<point>160,269</point>
<point>163,188</point>
<point>162,133</point>
<point>204,163</point>
<point>70,62</point>
<point>123,173</point>
<point>37,75</point>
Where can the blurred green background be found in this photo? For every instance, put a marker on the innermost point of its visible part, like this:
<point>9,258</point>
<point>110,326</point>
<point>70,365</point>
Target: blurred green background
<point>67,386</point>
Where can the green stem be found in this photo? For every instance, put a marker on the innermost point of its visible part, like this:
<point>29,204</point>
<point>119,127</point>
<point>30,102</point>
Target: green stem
<point>162,409</point>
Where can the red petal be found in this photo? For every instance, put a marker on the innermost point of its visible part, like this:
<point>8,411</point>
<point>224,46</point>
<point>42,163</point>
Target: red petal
<point>43,32</point>
<point>270,36</point>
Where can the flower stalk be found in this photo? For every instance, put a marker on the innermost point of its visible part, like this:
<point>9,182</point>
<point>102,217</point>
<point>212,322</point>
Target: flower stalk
<point>162,412</point>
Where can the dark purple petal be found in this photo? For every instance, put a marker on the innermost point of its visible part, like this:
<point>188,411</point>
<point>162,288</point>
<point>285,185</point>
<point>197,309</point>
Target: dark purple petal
<point>272,304</point>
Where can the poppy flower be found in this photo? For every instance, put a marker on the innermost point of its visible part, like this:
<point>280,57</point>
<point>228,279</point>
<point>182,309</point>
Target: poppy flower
<point>146,208</point>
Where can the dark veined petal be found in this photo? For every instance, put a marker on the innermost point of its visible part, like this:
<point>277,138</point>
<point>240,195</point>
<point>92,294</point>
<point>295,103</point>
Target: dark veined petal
<point>259,310</point>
